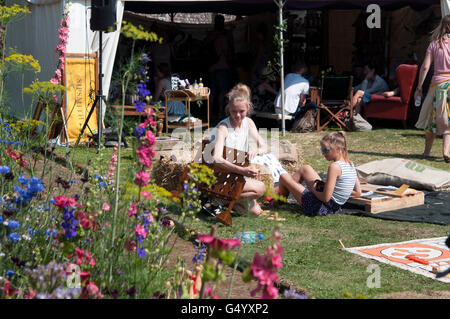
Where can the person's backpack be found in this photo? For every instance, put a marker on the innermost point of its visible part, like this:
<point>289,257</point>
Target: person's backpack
<point>305,121</point>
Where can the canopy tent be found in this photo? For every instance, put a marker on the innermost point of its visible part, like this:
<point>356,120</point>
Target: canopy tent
<point>37,34</point>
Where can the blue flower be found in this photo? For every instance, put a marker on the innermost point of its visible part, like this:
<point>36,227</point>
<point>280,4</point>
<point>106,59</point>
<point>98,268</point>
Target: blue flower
<point>139,131</point>
<point>141,252</point>
<point>4,169</point>
<point>22,179</point>
<point>13,224</point>
<point>1,218</point>
<point>98,177</point>
<point>10,273</point>
<point>102,184</point>
<point>14,237</point>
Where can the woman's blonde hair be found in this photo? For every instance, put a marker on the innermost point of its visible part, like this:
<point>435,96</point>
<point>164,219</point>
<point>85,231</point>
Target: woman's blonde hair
<point>335,140</point>
<point>441,30</point>
<point>242,93</point>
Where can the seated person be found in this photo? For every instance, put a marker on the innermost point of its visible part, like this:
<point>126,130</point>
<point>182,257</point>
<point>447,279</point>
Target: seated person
<point>265,91</point>
<point>394,92</point>
<point>296,87</point>
<point>372,84</point>
<point>238,131</point>
<point>163,83</point>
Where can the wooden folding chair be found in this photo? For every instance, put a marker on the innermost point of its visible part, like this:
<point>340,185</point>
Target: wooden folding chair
<point>336,94</point>
<point>228,186</point>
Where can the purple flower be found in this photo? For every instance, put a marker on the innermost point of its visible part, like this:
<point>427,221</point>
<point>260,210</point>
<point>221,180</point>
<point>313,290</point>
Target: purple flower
<point>141,252</point>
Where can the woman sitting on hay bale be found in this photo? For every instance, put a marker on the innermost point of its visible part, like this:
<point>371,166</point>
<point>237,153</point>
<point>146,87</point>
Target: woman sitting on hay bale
<point>238,131</point>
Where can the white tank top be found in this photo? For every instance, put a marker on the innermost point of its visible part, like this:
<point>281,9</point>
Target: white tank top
<point>237,140</point>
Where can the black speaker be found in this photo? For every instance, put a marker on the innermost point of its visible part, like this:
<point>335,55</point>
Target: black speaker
<point>103,15</point>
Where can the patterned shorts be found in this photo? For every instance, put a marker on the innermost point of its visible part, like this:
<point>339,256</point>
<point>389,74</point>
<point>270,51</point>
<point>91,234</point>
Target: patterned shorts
<point>314,207</point>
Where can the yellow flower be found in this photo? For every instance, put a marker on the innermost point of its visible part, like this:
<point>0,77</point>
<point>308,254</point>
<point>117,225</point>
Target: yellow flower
<point>13,13</point>
<point>21,61</point>
<point>44,89</point>
<point>137,33</point>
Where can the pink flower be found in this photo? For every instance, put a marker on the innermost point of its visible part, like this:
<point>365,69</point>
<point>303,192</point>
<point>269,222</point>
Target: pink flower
<point>150,137</point>
<point>106,207</point>
<point>54,81</point>
<point>145,154</point>
<point>62,59</point>
<point>142,177</point>
<point>132,210</point>
<point>210,293</point>
<point>217,243</point>
<point>146,194</point>
<point>62,201</point>
<point>140,230</point>
<point>130,245</point>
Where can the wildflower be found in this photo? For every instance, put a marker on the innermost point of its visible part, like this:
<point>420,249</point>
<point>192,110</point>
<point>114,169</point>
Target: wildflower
<point>130,245</point>
<point>146,194</point>
<point>293,294</point>
<point>142,177</point>
<point>217,243</point>
<point>141,252</point>
<point>132,210</point>
<point>4,169</point>
<point>14,237</point>
<point>13,224</point>
<point>140,231</point>
<point>106,207</point>
<point>63,202</point>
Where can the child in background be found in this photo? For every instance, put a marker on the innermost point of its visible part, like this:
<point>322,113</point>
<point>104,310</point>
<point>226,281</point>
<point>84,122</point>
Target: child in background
<point>319,198</point>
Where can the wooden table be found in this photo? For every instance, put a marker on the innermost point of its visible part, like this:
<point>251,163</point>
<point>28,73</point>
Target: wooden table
<point>187,96</point>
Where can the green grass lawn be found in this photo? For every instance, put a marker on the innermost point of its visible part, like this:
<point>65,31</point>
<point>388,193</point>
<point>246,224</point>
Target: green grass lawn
<point>314,259</point>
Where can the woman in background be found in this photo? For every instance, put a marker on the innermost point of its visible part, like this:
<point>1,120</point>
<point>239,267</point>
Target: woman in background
<point>434,115</point>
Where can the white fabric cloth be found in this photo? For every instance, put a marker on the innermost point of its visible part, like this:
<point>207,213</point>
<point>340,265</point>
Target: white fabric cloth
<point>378,86</point>
<point>37,34</point>
<point>294,86</point>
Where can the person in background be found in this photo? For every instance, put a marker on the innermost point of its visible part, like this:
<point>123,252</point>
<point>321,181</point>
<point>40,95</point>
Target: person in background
<point>434,115</point>
<point>220,53</point>
<point>265,90</point>
<point>372,84</point>
<point>162,83</point>
<point>296,87</point>
<point>319,198</point>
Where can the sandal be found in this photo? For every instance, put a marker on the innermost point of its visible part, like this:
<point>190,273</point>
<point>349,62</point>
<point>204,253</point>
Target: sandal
<point>447,159</point>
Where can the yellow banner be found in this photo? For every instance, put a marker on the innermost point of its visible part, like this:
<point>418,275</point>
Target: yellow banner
<point>80,83</point>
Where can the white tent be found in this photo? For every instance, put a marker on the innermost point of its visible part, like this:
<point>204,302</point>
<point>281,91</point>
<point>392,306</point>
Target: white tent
<point>37,34</point>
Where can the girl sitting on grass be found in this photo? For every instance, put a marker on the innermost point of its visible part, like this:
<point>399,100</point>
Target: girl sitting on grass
<point>319,198</point>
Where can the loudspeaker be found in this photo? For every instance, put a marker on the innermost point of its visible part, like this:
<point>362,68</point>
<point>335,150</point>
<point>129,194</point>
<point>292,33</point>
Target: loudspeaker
<point>103,15</point>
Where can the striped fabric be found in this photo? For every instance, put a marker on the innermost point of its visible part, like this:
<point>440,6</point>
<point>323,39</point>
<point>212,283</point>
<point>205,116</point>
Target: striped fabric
<point>345,183</point>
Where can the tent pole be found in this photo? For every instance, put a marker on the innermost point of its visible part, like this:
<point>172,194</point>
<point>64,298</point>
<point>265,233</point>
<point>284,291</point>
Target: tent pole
<point>100,88</point>
<point>280,4</point>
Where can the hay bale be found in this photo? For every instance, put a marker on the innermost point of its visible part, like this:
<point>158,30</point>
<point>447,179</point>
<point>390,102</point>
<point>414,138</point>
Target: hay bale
<point>167,173</point>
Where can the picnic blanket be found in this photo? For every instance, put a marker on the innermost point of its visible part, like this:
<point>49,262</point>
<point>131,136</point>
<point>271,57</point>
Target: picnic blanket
<point>432,251</point>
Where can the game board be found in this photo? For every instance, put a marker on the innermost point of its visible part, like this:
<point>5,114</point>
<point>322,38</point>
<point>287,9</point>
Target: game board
<point>431,253</point>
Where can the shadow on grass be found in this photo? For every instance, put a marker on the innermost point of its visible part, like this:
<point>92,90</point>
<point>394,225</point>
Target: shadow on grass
<point>397,155</point>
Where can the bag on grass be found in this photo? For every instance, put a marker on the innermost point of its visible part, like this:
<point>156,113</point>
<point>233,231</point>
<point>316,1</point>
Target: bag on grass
<point>398,171</point>
<point>360,124</point>
<point>305,123</point>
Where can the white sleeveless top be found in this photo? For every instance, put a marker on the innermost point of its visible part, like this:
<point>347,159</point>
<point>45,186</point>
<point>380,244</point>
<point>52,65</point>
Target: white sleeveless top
<point>345,183</point>
<point>236,140</point>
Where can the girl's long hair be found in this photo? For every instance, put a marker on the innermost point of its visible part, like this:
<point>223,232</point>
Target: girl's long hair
<point>441,30</point>
<point>337,139</point>
<point>240,92</point>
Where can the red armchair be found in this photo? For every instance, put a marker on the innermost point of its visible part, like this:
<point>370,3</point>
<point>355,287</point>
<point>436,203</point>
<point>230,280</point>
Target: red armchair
<point>395,107</point>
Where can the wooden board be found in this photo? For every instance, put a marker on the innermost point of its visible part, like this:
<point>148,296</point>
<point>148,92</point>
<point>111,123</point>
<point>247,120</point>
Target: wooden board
<point>395,201</point>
